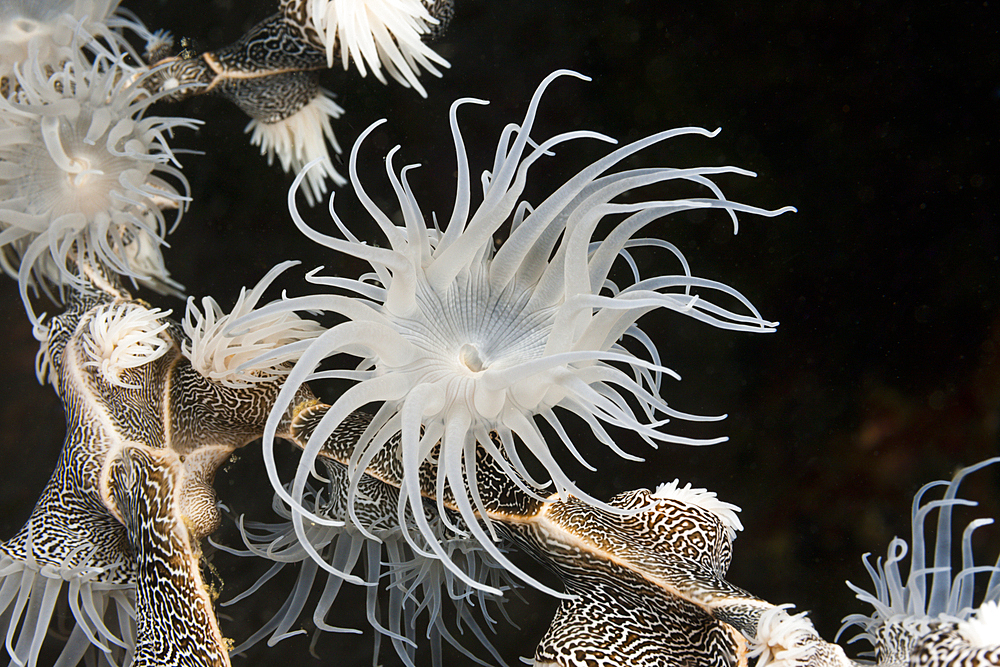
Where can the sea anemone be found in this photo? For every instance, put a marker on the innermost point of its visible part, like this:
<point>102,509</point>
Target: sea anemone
<point>223,356</point>
<point>785,640</point>
<point>376,34</point>
<point>931,594</point>
<point>30,590</point>
<point>458,339</point>
<point>82,177</point>
<point>300,139</point>
<point>416,584</point>
<point>122,336</point>
<point>49,32</point>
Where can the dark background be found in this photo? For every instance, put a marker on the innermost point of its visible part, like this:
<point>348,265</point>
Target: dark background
<point>877,120</point>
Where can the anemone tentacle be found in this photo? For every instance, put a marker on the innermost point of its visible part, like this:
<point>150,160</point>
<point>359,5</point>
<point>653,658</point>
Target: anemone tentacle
<point>375,34</point>
<point>933,598</point>
<point>416,584</point>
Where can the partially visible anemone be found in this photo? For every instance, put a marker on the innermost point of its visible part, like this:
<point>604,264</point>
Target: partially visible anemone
<point>456,338</point>
<point>417,586</point>
<point>790,640</point>
<point>933,595</point>
<point>983,627</point>
<point>49,32</point>
<point>30,591</point>
<point>301,139</point>
<point>421,585</point>
<point>377,33</point>
<point>227,356</point>
<point>706,500</point>
<point>85,177</point>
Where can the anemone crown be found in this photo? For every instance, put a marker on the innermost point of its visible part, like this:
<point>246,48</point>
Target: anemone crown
<point>457,338</point>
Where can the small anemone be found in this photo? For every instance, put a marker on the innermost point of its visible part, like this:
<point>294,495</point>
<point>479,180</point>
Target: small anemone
<point>376,34</point>
<point>785,640</point>
<point>227,356</point>
<point>82,177</point>
<point>982,629</point>
<point>29,591</point>
<point>458,339</point>
<point>705,499</point>
<point>122,336</point>
<point>932,590</point>
<point>301,139</point>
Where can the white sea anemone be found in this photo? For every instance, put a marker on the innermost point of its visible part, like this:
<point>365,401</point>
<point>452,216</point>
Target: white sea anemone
<point>785,640</point>
<point>982,629</point>
<point>48,31</point>
<point>416,585</point>
<point>228,356</point>
<point>301,139</point>
<point>122,336</point>
<point>81,176</point>
<point>931,591</point>
<point>458,339</point>
<point>377,34</point>
<point>30,589</point>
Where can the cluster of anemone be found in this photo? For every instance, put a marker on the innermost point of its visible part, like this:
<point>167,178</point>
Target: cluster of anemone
<point>88,177</point>
<point>272,71</point>
<point>467,346</point>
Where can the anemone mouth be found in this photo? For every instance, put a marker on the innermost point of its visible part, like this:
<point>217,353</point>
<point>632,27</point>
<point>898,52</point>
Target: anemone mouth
<point>472,330</point>
<point>23,29</point>
<point>470,357</point>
